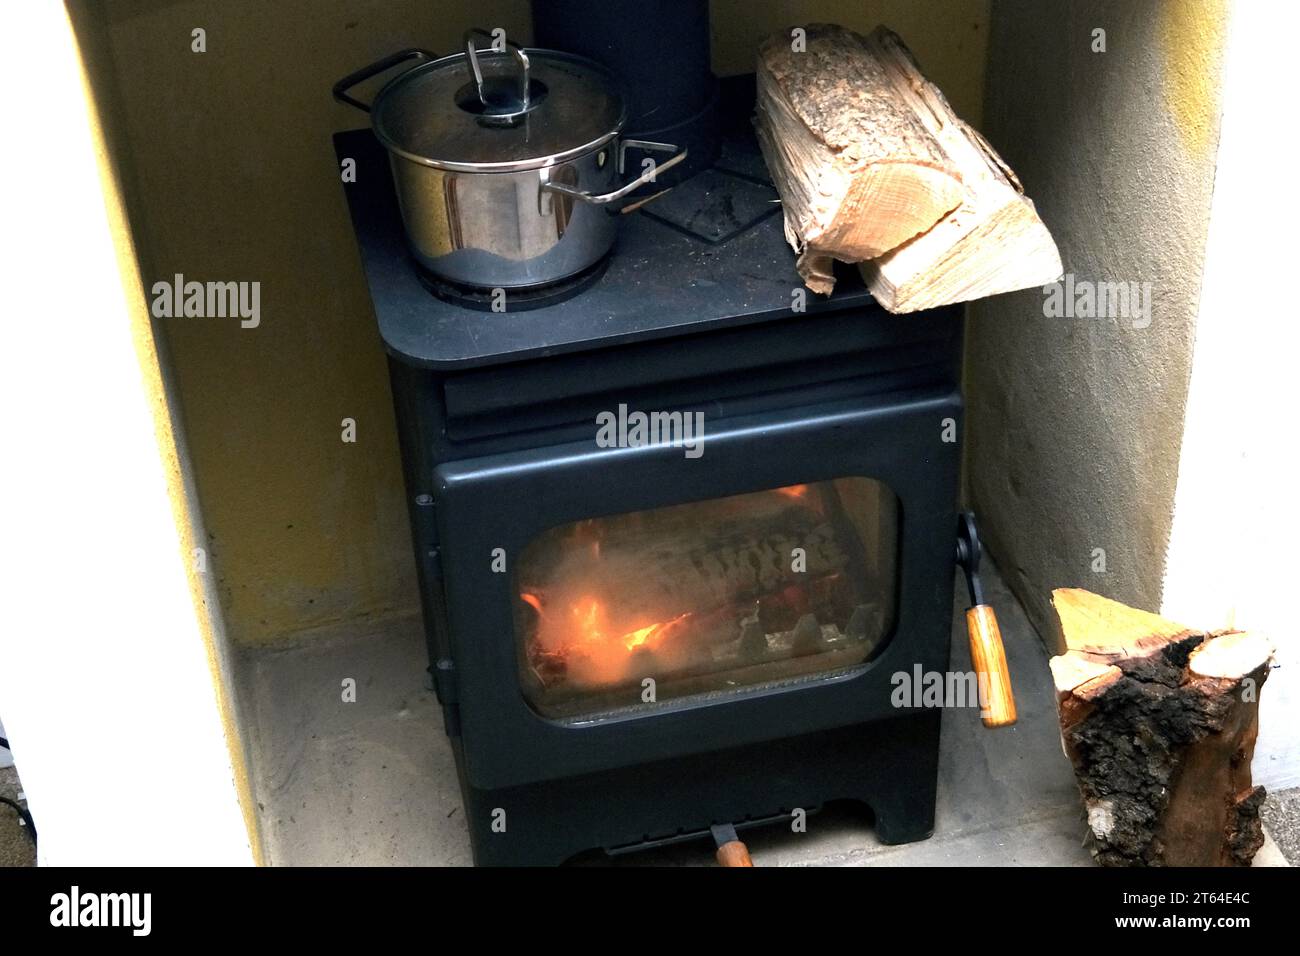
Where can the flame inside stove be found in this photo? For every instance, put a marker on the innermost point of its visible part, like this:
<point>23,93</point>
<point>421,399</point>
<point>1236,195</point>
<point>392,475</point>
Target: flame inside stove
<point>671,588</point>
<point>588,637</point>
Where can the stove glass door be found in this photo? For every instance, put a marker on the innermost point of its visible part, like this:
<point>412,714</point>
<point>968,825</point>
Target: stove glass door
<point>628,612</point>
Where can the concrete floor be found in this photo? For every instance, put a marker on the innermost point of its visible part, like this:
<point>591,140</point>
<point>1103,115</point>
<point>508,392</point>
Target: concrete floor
<point>373,782</point>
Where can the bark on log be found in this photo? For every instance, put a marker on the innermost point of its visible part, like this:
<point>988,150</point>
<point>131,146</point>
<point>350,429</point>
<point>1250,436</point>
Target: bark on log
<point>1160,722</point>
<point>872,164</point>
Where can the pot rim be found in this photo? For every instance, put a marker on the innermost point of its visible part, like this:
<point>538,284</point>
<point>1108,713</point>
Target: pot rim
<point>517,166</point>
<point>506,166</point>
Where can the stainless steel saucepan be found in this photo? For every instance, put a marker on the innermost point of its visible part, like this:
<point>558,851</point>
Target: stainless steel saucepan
<point>509,164</point>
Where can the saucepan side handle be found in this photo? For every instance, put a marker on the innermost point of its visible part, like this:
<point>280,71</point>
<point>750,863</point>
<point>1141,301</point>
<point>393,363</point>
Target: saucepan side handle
<point>374,69</point>
<point>649,176</point>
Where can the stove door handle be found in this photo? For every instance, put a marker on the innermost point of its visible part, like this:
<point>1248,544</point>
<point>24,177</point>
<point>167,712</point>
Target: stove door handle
<point>374,69</point>
<point>987,653</point>
<point>601,199</point>
<point>989,658</point>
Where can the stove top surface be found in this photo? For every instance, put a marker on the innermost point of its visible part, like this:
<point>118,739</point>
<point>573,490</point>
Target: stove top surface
<point>711,253</point>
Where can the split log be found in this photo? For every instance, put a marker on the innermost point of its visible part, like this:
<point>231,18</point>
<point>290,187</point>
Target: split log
<point>1159,721</point>
<point>857,171</point>
<point>872,164</point>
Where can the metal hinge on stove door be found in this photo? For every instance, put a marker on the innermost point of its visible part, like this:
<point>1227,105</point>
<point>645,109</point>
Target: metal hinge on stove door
<point>446,687</point>
<point>442,670</point>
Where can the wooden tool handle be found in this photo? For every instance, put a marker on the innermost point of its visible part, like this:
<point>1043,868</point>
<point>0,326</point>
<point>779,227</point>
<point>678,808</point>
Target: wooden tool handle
<point>990,661</point>
<point>734,853</point>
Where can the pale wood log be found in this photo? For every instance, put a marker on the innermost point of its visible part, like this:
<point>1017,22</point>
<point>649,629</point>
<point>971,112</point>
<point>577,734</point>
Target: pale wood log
<point>872,164</point>
<point>994,242</point>
<point>857,171</point>
<point>1090,622</point>
<point>1159,721</point>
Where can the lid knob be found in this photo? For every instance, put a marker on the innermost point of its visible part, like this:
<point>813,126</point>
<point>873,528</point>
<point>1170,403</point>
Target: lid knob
<point>497,100</point>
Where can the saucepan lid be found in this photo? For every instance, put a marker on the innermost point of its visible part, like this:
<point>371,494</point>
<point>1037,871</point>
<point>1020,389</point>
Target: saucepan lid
<point>488,110</point>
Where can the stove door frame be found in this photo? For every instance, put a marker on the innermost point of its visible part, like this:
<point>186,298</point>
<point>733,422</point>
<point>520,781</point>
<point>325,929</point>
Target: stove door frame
<point>504,501</point>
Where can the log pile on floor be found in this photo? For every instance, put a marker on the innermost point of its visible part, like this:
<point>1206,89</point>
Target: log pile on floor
<point>1160,722</point>
<point>874,167</point>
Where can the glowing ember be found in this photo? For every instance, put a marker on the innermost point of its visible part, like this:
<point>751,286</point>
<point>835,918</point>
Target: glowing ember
<point>793,491</point>
<point>650,634</point>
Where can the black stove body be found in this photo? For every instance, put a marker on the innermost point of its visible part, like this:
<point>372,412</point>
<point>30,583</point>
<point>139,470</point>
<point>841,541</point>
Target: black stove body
<point>497,414</point>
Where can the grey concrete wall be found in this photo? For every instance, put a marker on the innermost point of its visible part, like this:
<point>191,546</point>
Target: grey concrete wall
<point>1075,423</point>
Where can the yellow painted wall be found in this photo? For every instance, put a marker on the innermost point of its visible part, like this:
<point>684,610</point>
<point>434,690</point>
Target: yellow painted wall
<point>230,157</point>
<point>233,163</point>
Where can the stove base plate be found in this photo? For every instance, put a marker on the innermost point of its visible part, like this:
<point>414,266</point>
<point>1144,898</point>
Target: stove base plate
<point>890,765</point>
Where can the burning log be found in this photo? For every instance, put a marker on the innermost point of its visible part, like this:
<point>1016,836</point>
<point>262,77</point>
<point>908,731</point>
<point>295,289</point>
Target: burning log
<point>648,567</point>
<point>1160,722</point>
<point>873,166</point>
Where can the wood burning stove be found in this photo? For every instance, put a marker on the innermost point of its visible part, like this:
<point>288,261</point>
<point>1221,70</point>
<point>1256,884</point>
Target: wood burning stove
<point>631,643</point>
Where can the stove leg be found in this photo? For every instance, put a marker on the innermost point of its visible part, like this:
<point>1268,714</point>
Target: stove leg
<point>904,808</point>
<point>896,826</point>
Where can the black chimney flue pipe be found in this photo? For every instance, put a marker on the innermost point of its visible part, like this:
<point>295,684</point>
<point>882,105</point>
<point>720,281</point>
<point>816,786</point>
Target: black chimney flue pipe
<point>660,49</point>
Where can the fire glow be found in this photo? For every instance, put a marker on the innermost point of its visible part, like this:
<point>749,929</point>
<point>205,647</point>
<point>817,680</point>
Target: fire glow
<point>589,630</point>
<point>598,620</point>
